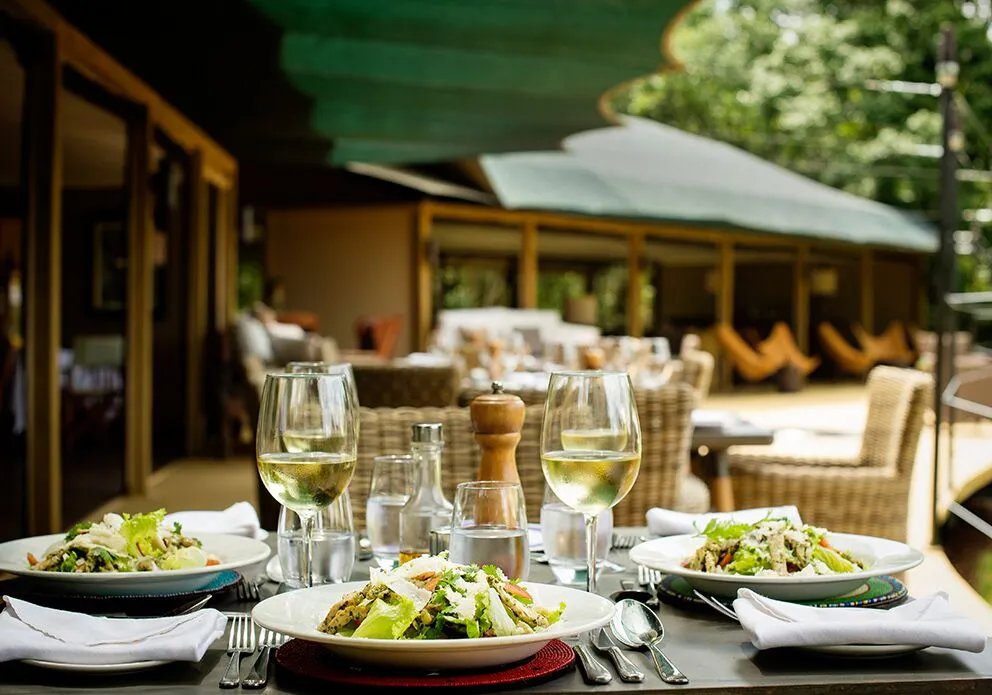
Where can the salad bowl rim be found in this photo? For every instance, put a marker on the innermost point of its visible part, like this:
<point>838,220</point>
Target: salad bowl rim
<point>250,552</point>
<point>902,558</point>
<point>310,633</point>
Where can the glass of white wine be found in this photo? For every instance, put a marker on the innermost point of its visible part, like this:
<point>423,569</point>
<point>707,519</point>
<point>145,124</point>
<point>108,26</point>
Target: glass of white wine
<point>590,446</point>
<point>306,446</point>
<point>340,368</point>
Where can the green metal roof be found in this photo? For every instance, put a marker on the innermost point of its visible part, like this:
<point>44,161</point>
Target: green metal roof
<point>643,169</point>
<point>428,80</point>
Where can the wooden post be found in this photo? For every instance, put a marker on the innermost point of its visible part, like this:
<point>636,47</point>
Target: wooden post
<point>800,298</point>
<point>423,274</point>
<point>868,290</point>
<point>232,236</point>
<point>635,256</point>
<point>725,304</point>
<point>198,259</point>
<point>527,270</point>
<point>140,302</point>
<point>221,252</point>
<point>42,158</point>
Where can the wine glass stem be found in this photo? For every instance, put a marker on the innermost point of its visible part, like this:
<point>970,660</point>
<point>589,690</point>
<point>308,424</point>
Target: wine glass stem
<point>590,552</point>
<point>306,571</point>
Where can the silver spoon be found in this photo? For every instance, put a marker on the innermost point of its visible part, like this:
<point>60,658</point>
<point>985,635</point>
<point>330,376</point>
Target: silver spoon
<point>637,626</point>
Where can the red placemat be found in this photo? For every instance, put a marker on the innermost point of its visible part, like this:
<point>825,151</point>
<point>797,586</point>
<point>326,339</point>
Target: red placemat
<point>311,661</point>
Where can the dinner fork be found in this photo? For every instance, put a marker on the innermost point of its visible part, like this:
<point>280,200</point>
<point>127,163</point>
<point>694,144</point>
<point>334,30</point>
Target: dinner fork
<point>259,674</point>
<point>716,605</point>
<point>647,576</point>
<point>240,641</point>
<point>247,590</point>
<point>626,542</point>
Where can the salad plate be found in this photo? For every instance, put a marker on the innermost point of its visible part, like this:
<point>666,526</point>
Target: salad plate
<point>878,556</point>
<point>299,613</point>
<point>232,552</point>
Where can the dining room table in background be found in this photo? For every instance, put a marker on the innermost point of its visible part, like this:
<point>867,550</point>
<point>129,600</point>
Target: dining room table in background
<point>714,432</point>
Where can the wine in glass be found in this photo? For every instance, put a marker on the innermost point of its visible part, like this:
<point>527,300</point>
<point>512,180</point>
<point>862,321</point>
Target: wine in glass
<point>306,445</point>
<point>590,446</point>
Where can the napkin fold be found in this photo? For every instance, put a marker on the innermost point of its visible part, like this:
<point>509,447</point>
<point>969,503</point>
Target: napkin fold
<point>28,631</point>
<point>239,519</point>
<point>928,621</point>
<point>667,522</point>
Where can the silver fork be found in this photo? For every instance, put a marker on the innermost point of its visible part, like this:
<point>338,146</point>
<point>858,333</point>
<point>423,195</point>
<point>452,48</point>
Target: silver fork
<point>716,605</point>
<point>247,590</point>
<point>240,641</point>
<point>626,542</point>
<point>259,674</point>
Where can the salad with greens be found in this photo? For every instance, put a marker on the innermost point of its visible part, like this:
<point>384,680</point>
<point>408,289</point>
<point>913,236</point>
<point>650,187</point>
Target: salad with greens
<point>124,543</point>
<point>432,598</point>
<point>769,548</point>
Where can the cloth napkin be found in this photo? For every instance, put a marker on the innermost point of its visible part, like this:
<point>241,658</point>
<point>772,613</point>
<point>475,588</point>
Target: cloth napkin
<point>239,519</point>
<point>667,522</point>
<point>28,631</point>
<point>928,621</point>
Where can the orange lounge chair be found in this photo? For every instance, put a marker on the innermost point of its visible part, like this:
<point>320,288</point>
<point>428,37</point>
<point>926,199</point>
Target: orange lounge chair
<point>846,356</point>
<point>753,366</point>
<point>888,347</point>
<point>781,342</point>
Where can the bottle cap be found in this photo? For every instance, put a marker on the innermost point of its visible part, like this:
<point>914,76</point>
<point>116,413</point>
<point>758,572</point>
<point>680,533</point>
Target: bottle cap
<point>428,432</point>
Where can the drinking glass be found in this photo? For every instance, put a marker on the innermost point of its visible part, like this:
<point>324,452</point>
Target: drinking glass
<point>590,446</point>
<point>393,481</point>
<point>343,369</point>
<point>306,446</point>
<point>333,544</point>
<point>489,527</point>
<point>563,536</point>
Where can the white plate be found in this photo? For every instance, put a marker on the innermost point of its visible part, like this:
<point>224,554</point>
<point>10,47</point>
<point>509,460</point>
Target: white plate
<point>880,555</point>
<point>95,668</point>
<point>865,651</point>
<point>233,551</point>
<point>298,613</point>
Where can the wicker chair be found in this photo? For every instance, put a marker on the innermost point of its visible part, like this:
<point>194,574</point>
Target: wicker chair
<point>405,386</point>
<point>697,371</point>
<point>867,492</point>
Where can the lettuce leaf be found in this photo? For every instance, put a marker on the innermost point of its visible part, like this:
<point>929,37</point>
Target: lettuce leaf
<point>470,625</point>
<point>184,558</point>
<point>503,624</point>
<point>725,530</point>
<point>834,560</point>
<point>747,561</point>
<point>141,533</point>
<point>388,621</point>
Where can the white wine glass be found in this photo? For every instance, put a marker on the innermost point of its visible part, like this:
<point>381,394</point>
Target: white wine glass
<point>340,368</point>
<point>590,446</point>
<point>306,446</point>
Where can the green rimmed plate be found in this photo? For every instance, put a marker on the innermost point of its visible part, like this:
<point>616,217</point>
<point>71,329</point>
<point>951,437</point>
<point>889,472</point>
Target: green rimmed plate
<point>876,592</point>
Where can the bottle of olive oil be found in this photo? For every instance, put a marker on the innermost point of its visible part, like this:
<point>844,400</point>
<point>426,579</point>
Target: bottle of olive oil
<point>427,509</point>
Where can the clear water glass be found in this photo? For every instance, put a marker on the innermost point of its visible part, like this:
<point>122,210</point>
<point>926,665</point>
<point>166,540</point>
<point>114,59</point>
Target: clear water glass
<point>563,535</point>
<point>333,544</point>
<point>394,479</point>
<point>489,527</point>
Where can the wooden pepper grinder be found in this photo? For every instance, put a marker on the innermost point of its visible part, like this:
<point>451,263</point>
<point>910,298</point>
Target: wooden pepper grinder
<point>497,419</point>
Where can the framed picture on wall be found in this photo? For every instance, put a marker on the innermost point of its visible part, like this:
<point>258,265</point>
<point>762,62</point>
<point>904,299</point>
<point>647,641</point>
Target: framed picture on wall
<point>109,266</point>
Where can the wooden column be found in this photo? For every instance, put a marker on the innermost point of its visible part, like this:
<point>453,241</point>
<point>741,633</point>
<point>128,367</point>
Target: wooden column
<point>527,266</point>
<point>198,297</point>
<point>800,299</point>
<point>868,290</point>
<point>725,304</point>
<point>232,236</point>
<point>42,167</point>
<point>221,251</point>
<point>423,274</point>
<point>635,257</point>
<point>140,302</point>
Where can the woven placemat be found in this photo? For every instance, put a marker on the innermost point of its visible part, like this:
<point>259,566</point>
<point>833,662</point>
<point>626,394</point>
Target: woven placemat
<point>137,606</point>
<point>876,592</point>
<point>312,662</point>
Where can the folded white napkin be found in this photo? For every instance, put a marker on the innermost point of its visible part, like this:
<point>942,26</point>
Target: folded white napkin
<point>239,519</point>
<point>928,621</point>
<point>28,631</point>
<point>667,522</point>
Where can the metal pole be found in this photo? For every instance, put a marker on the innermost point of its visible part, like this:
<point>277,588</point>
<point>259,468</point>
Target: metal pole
<point>947,73</point>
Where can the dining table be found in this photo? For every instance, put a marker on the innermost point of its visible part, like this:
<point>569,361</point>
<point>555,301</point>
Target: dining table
<point>714,433</point>
<point>710,649</point>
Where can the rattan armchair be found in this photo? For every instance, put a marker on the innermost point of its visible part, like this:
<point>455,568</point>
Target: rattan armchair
<point>866,492</point>
<point>405,385</point>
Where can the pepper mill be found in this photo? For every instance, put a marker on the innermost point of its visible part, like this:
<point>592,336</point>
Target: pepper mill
<point>497,419</point>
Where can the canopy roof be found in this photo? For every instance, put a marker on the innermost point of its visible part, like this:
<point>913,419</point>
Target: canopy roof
<point>643,169</point>
<point>385,81</point>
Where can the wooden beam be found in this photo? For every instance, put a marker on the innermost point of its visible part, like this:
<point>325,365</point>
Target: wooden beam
<point>140,303</point>
<point>42,166</point>
<point>423,274</point>
<point>635,258</point>
<point>527,266</point>
<point>725,304</point>
<point>198,297</point>
<point>868,290</point>
<point>800,299</point>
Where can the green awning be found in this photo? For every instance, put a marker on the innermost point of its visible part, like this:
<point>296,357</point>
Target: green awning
<point>645,170</point>
<point>429,80</point>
